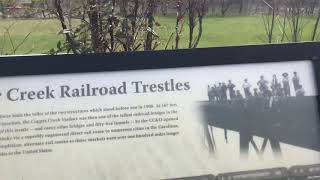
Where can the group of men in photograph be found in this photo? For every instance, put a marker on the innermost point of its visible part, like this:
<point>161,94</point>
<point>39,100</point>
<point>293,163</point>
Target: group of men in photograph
<point>223,92</point>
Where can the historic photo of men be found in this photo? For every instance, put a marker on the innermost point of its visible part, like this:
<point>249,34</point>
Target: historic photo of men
<point>275,88</point>
<point>275,107</point>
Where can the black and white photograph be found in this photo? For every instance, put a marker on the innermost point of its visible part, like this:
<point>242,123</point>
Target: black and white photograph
<point>268,109</point>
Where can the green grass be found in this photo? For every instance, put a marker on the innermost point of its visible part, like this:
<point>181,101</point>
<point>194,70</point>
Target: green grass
<point>233,31</point>
<point>44,35</point>
<point>218,31</point>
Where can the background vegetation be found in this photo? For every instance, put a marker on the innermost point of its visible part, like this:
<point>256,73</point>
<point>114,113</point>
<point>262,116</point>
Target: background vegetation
<point>37,28</point>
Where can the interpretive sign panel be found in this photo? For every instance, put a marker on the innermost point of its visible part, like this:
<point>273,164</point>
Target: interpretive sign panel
<point>120,117</point>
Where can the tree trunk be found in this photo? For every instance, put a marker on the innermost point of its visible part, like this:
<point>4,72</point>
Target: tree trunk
<point>315,29</point>
<point>177,33</point>
<point>95,25</point>
<point>123,6</point>
<point>240,6</point>
<point>200,19</point>
<point>134,20</point>
<point>111,24</point>
<point>225,5</point>
<point>223,11</point>
<point>69,39</point>
<point>191,10</point>
<point>179,19</point>
<point>2,8</point>
<point>150,22</point>
<point>272,25</point>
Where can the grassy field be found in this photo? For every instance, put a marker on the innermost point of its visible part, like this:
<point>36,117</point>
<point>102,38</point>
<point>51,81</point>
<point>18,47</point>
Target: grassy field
<point>218,31</point>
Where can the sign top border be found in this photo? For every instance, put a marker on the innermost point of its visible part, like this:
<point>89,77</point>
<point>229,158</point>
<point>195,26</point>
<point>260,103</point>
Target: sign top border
<point>124,61</point>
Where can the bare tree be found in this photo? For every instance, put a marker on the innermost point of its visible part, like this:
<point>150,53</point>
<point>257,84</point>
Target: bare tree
<point>196,10</point>
<point>315,28</point>
<point>269,19</point>
<point>311,6</point>
<point>282,24</point>
<point>94,19</point>
<point>123,5</point>
<point>5,3</point>
<point>131,26</point>
<point>214,5</point>
<point>104,27</point>
<point>164,6</point>
<point>69,38</point>
<point>202,9</point>
<point>295,14</point>
<point>225,5</point>
<point>192,10</point>
<point>179,22</point>
<point>150,24</point>
<point>123,25</point>
<point>241,4</point>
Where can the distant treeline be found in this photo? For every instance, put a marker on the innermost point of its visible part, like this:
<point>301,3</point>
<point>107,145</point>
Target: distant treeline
<point>165,7</point>
<point>216,7</point>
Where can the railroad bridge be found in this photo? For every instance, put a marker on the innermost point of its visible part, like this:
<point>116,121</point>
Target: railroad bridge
<point>290,120</point>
